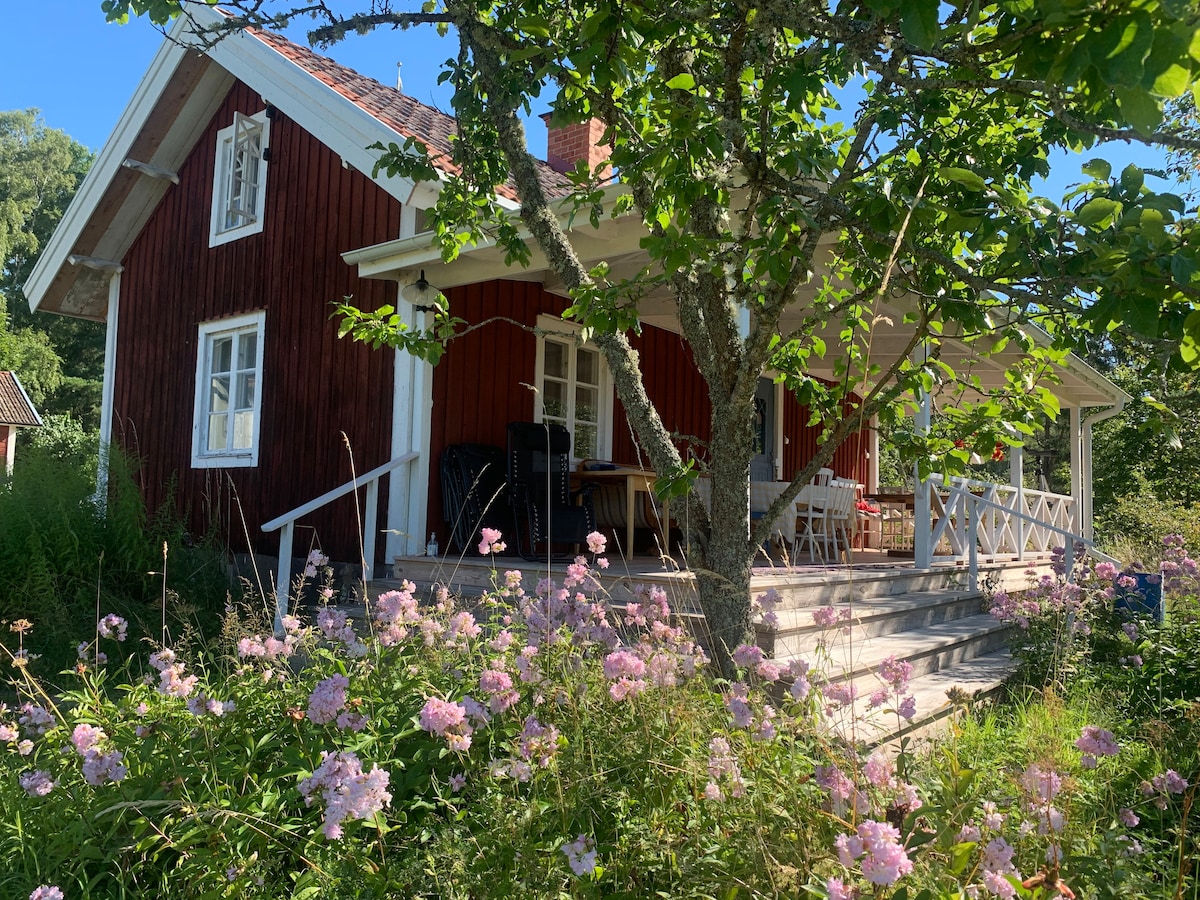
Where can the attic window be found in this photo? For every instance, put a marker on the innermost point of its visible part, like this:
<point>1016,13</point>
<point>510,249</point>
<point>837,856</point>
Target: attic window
<point>240,179</point>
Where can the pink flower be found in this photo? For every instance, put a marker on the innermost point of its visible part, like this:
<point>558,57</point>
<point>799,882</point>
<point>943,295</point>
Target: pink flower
<point>1128,818</point>
<point>85,737</point>
<point>885,861</point>
<point>457,782</point>
<point>348,792</point>
<point>596,542</point>
<point>839,890</point>
<point>622,663</point>
<point>1106,571</point>
<point>112,626</point>
<point>327,699</point>
<point>491,542</point>
<point>895,672</point>
<point>101,767</point>
<point>1096,742</point>
<point>36,783</point>
<point>46,892</point>
<point>581,855</point>
<point>447,720</point>
<point>747,655</point>
<point>316,559</point>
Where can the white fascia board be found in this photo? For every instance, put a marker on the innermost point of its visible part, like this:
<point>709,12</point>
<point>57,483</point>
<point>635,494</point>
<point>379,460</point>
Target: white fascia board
<point>389,257</point>
<point>107,165</point>
<point>338,123</point>
<point>33,409</point>
<point>1080,369</point>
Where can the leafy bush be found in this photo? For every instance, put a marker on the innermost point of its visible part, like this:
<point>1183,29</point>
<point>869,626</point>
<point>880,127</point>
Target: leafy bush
<point>1133,528</point>
<point>62,555</point>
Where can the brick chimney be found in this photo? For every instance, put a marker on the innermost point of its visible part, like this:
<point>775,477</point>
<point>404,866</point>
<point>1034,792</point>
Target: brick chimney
<point>569,144</point>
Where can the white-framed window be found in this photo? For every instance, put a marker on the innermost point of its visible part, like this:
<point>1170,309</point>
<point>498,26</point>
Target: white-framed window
<point>228,392</point>
<point>574,389</point>
<point>240,178</point>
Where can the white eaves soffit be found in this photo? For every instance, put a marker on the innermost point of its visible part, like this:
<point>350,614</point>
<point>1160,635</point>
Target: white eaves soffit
<point>617,241</point>
<point>172,106</point>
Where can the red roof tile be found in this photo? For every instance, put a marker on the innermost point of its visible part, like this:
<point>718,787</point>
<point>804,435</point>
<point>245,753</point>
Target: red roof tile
<point>399,112</point>
<point>15,408</point>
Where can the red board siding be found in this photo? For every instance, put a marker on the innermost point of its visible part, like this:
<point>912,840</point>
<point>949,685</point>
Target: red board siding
<point>477,385</point>
<point>478,388</point>
<point>314,386</point>
<point>849,460</point>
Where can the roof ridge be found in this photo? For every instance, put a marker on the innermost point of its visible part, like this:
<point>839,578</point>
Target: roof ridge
<point>401,112</point>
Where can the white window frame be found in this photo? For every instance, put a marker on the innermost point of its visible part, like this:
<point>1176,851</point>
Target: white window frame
<point>568,333</point>
<point>202,457</point>
<point>225,194</point>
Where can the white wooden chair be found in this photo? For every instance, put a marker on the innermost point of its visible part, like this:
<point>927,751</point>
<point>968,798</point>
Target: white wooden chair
<point>841,516</point>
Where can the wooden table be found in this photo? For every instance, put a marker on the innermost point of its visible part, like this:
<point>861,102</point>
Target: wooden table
<point>636,481</point>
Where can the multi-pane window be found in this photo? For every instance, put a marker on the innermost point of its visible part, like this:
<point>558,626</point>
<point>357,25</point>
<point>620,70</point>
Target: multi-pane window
<point>574,391</point>
<point>229,392</point>
<point>240,180</point>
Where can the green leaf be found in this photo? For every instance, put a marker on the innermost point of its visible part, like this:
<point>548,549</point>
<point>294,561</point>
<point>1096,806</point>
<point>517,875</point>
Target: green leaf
<point>1138,108</point>
<point>965,177</point>
<point>684,81</point>
<point>1099,169</point>
<point>1097,210</point>
<point>1132,179</point>
<point>919,22</point>
<point>1189,345</point>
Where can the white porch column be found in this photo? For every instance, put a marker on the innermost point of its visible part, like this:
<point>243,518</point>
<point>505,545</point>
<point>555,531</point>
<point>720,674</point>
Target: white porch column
<point>922,514</point>
<point>408,485</point>
<point>108,389</point>
<point>1016,478</point>
<point>1076,444</point>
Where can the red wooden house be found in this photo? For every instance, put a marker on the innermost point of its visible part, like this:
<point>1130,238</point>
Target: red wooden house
<point>232,205</point>
<point>16,412</point>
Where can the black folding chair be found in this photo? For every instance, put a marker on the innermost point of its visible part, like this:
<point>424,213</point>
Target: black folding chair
<point>474,493</point>
<point>539,484</point>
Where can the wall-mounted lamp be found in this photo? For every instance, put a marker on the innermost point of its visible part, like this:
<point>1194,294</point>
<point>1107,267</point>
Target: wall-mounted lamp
<point>421,294</point>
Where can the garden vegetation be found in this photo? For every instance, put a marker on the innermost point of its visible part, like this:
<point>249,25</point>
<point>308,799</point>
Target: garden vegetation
<point>540,742</point>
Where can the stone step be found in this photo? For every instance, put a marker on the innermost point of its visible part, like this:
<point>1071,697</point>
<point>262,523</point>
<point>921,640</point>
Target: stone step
<point>938,696</point>
<point>847,655</point>
<point>874,616</point>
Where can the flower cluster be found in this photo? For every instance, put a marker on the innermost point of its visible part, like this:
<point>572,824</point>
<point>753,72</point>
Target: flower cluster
<point>447,720</point>
<point>1095,742</point>
<point>348,792</point>
<point>171,680</point>
<point>112,626</point>
<point>723,770</point>
<point>581,855</point>
<point>272,648</point>
<point>490,542</point>
<point>884,859</point>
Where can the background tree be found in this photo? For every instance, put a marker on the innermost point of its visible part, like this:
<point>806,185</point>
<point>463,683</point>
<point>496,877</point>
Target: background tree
<point>788,155</point>
<point>60,361</point>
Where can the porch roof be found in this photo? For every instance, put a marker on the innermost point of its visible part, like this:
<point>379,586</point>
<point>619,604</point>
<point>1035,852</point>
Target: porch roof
<point>617,241</point>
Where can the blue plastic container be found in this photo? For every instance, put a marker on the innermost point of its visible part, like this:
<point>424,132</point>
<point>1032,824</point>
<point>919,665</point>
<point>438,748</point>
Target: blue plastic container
<point>1143,599</point>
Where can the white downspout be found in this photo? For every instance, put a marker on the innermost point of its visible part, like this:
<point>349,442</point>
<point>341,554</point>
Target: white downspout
<point>108,389</point>
<point>1086,511</point>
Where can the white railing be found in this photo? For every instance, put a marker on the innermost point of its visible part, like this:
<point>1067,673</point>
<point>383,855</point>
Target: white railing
<point>1010,520</point>
<point>285,524</point>
<point>975,521</point>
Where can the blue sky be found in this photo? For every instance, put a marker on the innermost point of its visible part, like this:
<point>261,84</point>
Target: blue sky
<point>63,58</point>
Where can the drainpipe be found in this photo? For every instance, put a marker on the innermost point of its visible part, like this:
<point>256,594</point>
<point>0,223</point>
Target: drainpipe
<point>1086,504</point>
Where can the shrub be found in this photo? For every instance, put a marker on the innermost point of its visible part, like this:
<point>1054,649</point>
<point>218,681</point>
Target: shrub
<point>62,555</point>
